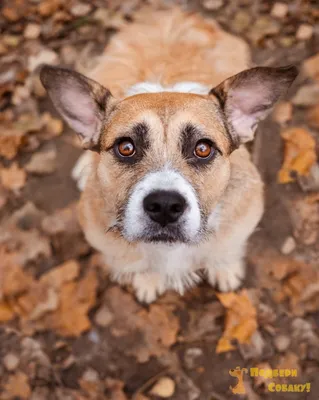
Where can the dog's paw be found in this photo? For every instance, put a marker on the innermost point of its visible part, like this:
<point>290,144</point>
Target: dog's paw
<point>227,279</point>
<point>147,287</point>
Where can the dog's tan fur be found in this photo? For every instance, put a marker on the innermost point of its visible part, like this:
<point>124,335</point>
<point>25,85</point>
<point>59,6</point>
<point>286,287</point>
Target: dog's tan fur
<point>169,48</point>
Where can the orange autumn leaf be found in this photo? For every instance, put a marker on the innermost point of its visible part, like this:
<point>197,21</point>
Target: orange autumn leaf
<point>299,154</point>
<point>13,282</point>
<point>11,140</point>
<point>311,67</point>
<point>313,116</point>
<point>240,322</point>
<point>75,300</point>
<point>13,178</point>
<point>301,290</point>
<point>17,387</point>
<point>6,312</point>
<point>57,301</point>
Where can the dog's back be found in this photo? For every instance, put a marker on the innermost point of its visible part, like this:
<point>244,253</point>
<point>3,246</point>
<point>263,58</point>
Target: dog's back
<point>170,47</point>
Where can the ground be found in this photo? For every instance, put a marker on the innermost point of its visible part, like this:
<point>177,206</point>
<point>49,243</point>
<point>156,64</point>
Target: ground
<point>68,332</point>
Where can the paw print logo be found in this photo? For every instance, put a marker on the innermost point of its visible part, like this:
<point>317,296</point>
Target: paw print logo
<point>239,374</point>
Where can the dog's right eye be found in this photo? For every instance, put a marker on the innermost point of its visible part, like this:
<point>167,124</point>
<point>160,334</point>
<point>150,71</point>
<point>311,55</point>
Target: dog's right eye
<point>125,148</point>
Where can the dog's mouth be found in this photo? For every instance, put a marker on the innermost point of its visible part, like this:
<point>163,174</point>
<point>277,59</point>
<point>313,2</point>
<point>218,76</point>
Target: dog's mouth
<point>171,233</point>
<point>165,236</point>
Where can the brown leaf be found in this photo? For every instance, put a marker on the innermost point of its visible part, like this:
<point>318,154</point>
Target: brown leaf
<point>11,139</point>
<point>301,290</point>
<point>17,386</point>
<point>57,301</point>
<point>64,230</point>
<point>64,273</point>
<point>13,178</point>
<point>290,280</point>
<point>313,116</point>
<point>164,388</point>
<point>53,126</point>
<point>202,323</point>
<point>43,163</point>
<point>240,322</point>
<point>40,300</point>
<point>311,67</point>
<point>48,7</point>
<point>304,214</point>
<point>91,384</point>
<point>20,231</point>
<point>299,154</point>
<point>75,300</point>
<point>156,329</point>
<point>6,312</point>
<point>115,389</point>
<point>15,280</point>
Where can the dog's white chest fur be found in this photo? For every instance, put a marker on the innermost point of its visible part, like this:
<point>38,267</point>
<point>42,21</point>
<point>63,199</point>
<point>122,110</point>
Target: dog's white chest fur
<point>162,267</point>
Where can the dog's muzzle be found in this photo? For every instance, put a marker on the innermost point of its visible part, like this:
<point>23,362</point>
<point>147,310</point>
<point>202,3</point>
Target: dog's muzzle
<point>162,207</point>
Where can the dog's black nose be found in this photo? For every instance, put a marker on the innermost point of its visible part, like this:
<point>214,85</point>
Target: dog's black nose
<point>164,207</point>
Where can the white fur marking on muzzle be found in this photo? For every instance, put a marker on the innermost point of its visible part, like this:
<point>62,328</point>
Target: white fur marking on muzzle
<point>137,222</point>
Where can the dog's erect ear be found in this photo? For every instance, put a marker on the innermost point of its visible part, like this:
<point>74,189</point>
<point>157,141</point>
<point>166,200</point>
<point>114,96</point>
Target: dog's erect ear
<point>81,101</point>
<point>248,97</point>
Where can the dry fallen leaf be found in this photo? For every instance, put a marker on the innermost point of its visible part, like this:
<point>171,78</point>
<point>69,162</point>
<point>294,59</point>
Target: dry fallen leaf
<point>56,301</point>
<point>304,216</point>
<point>313,116</point>
<point>311,67</point>
<point>299,154</point>
<point>290,280</point>
<point>6,312</point>
<point>240,322</point>
<point>75,300</point>
<point>13,178</point>
<point>17,387</point>
<point>43,163</point>
<point>52,126</point>
<point>91,384</point>
<point>65,232</point>
<point>164,388</point>
<point>115,389</point>
<point>11,139</point>
<point>14,280</point>
<point>156,328</point>
<point>301,289</point>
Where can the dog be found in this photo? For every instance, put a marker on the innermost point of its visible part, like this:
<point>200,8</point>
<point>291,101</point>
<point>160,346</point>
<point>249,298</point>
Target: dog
<point>169,191</point>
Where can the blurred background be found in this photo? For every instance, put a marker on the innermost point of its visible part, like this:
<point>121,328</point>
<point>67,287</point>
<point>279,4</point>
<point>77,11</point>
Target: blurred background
<point>66,331</point>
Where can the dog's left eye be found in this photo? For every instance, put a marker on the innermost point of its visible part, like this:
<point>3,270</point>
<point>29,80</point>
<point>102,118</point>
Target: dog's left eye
<point>203,149</point>
<point>126,148</point>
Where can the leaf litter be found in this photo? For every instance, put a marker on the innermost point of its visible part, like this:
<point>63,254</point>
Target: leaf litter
<point>49,285</point>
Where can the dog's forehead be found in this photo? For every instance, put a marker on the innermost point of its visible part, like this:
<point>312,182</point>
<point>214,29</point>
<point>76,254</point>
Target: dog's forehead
<point>166,113</point>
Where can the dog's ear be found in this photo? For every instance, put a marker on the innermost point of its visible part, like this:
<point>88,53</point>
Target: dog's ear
<point>82,102</point>
<point>248,97</point>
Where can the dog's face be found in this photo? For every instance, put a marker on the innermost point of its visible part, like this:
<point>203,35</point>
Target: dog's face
<point>164,157</point>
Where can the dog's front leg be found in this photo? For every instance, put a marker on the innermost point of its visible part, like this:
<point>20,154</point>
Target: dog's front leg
<point>148,286</point>
<point>226,267</point>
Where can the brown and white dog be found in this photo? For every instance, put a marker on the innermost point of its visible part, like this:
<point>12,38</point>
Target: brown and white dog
<point>170,188</point>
